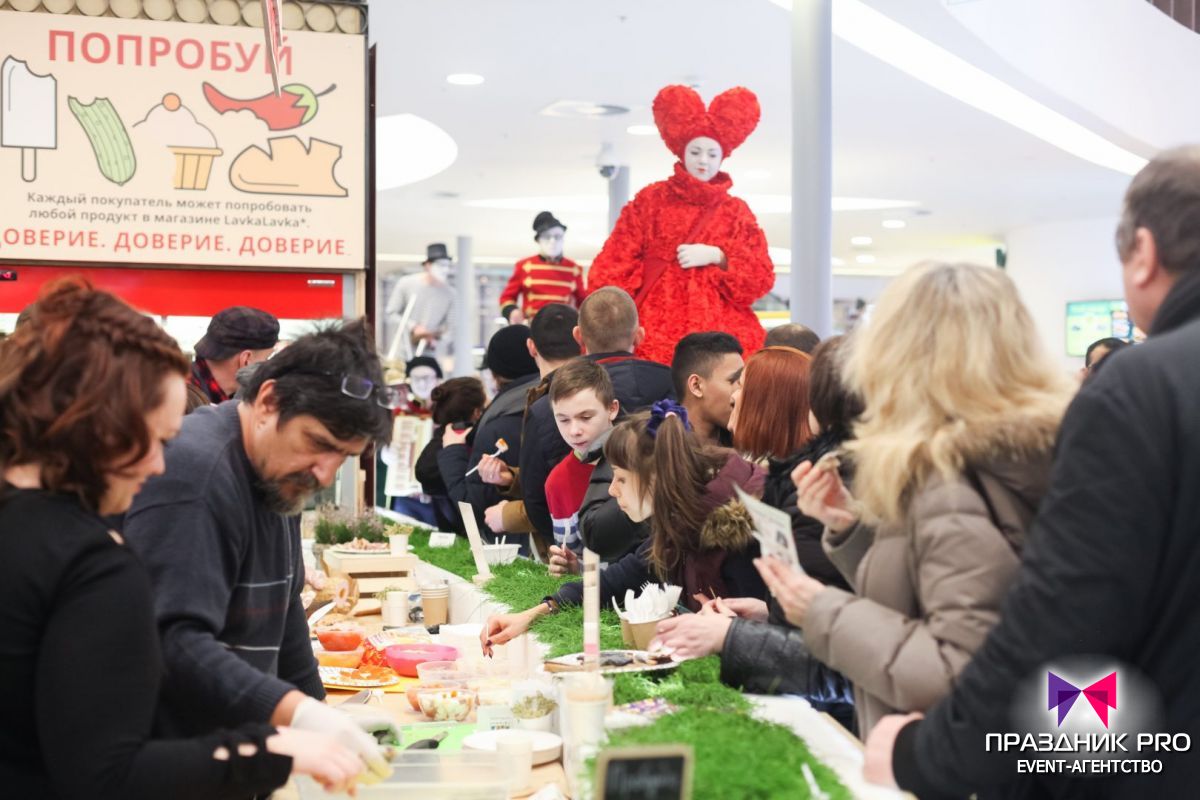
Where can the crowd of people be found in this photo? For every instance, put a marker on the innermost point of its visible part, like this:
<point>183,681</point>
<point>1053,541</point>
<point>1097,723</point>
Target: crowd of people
<point>963,513</point>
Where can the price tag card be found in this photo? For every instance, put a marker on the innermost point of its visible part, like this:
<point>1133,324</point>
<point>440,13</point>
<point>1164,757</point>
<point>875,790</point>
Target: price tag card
<point>468,518</point>
<point>591,610</point>
<point>773,529</point>
<point>440,539</point>
<point>645,773</point>
<point>495,718</point>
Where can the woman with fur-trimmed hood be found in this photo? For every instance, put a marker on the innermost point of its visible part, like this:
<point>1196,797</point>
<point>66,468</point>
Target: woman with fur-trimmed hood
<point>951,459</point>
<point>700,535</point>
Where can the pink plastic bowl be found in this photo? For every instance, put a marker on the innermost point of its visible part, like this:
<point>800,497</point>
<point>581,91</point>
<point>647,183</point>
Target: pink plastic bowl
<point>404,657</point>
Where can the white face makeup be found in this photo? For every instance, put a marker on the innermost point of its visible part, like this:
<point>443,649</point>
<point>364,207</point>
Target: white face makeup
<point>550,243</point>
<point>439,270</point>
<point>702,158</point>
<point>422,381</point>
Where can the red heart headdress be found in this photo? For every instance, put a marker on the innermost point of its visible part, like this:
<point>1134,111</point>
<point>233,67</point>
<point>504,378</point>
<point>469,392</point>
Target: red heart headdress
<point>680,116</point>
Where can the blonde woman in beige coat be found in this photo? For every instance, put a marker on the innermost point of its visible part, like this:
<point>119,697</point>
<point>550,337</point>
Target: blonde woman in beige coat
<point>951,459</point>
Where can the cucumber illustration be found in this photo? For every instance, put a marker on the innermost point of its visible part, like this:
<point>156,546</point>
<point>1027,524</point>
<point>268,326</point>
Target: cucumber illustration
<point>108,137</point>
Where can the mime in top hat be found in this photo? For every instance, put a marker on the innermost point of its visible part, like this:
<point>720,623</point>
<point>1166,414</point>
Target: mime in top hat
<point>545,278</point>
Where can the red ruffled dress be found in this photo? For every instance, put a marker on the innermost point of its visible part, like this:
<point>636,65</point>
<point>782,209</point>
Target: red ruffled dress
<point>663,216</point>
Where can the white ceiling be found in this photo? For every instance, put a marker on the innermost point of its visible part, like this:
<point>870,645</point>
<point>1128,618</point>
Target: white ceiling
<point>894,137</point>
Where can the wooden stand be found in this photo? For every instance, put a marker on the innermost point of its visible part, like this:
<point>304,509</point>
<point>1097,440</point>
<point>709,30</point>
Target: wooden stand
<point>374,573</point>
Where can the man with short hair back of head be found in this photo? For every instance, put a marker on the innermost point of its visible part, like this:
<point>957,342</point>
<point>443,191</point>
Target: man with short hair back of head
<point>608,332</point>
<point>551,343</point>
<point>1109,569</point>
<point>793,334</point>
<point>704,370</point>
<point>236,338</point>
<point>219,533</point>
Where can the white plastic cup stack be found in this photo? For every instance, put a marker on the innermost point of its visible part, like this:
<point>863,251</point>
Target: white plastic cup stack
<point>584,700</point>
<point>515,749</point>
<point>395,609</point>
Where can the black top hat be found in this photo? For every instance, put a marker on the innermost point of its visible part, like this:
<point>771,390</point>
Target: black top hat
<point>236,329</point>
<point>544,222</point>
<point>435,251</point>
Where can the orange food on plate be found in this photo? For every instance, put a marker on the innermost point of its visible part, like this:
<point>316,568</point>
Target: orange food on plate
<point>371,673</point>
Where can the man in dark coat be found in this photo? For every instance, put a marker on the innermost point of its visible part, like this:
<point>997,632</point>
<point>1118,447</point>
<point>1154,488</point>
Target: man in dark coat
<point>515,373</point>
<point>1110,569</point>
<point>608,332</point>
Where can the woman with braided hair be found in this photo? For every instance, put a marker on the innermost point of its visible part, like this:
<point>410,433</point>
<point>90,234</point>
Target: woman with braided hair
<point>700,536</point>
<point>90,390</point>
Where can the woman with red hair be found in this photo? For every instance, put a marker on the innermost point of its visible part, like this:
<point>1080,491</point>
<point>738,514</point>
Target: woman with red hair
<point>691,255</point>
<point>90,392</point>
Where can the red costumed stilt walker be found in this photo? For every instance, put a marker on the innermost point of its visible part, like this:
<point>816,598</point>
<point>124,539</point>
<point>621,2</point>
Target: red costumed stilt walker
<point>692,255</point>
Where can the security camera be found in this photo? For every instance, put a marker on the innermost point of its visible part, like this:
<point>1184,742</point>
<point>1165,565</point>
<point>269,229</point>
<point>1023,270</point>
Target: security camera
<point>607,161</point>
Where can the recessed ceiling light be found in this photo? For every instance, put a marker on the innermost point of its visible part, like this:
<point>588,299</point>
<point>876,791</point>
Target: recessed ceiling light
<point>582,108</point>
<point>567,203</point>
<point>894,224</point>
<point>427,150</point>
<point>865,258</point>
<point>641,130</point>
<point>861,241</point>
<point>875,33</point>
<point>464,79</point>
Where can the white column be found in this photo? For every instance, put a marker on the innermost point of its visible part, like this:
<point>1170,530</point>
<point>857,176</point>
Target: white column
<point>618,195</point>
<point>811,298</point>
<point>466,322</point>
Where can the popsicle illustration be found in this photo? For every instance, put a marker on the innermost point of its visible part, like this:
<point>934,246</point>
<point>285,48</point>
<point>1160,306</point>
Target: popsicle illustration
<point>28,116</point>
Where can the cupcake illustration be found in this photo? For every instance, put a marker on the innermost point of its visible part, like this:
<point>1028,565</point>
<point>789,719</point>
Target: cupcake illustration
<point>192,144</point>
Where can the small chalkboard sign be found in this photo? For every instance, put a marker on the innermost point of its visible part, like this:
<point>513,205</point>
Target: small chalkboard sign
<point>645,773</point>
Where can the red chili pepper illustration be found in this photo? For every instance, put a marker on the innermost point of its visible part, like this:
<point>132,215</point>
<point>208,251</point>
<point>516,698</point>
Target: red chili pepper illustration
<point>295,105</point>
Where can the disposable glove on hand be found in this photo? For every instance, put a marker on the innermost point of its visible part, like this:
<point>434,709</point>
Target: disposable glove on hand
<point>313,715</point>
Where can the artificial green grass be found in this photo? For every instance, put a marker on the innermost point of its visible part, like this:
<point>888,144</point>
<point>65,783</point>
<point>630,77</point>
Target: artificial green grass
<point>737,757</point>
<point>524,583</point>
<point>456,559</point>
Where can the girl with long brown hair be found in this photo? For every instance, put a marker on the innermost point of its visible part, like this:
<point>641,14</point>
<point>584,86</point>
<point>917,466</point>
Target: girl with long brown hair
<point>700,538</point>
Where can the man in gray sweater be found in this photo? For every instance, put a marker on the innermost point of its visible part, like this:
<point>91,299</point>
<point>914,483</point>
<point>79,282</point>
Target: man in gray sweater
<point>219,534</point>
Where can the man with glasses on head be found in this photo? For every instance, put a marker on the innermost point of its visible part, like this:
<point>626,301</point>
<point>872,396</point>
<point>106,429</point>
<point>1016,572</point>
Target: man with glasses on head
<point>219,533</point>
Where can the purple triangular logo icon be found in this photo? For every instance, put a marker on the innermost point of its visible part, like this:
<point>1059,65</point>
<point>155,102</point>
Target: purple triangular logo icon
<point>1061,694</point>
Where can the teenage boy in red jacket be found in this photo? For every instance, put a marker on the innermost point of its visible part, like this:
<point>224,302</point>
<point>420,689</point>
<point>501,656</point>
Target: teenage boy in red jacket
<point>584,405</point>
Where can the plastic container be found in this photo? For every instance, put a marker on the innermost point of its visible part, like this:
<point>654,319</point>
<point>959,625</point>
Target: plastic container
<point>491,691</point>
<point>340,658</point>
<point>430,775</point>
<point>440,670</point>
<point>404,658</point>
<point>446,704</point>
<point>496,554</point>
<point>341,638</point>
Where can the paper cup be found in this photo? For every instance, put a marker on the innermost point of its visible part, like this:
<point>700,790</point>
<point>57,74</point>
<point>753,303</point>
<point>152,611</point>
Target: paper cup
<point>436,603</point>
<point>193,165</point>
<point>642,633</point>
<point>626,633</point>
<point>398,543</point>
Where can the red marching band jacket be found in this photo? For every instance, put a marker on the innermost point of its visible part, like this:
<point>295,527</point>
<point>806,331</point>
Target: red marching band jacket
<point>536,283</point>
